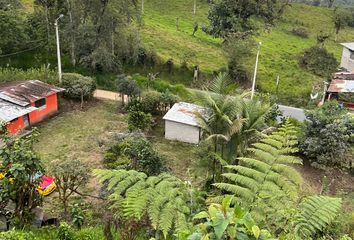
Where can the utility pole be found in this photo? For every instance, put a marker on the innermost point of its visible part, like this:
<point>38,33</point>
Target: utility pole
<point>58,46</point>
<point>255,70</point>
<point>142,6</point>
<point>277,88</point>
<point>325,84</point>
<point>195,7</point>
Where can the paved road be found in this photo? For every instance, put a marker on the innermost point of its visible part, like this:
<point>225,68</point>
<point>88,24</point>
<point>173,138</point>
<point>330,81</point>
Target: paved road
<point>296,113</point>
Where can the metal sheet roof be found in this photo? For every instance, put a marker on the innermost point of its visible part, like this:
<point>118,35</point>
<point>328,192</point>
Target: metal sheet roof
<point>26,92</point>
<point>184,113</point>
<point>341,86</point>
<point>350,46</point>
<point>10,111</point>
<point>344,75</point>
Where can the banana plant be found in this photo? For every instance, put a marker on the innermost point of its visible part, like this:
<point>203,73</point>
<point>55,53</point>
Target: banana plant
<point>226,221</point>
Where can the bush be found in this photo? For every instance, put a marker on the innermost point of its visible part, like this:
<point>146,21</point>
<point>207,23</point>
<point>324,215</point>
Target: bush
<point>17,235</point>
<point>318,61</point>
<point>168,99</point>
<point>327,133</point>
<point>78,87</point>
<point>65,232</point>
<point>301,32</point>
<point>138,120</point>
<point>151,101</point>
<point>132,151</point>
<point>43,74</point>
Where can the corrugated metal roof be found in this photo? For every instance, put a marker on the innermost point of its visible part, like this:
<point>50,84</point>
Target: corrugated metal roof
<point>344,75</point>
<point>350,46</point>
<point>184,113</point>
<point>27,92</point>
<point>10,111</point>
<point>341,86</point>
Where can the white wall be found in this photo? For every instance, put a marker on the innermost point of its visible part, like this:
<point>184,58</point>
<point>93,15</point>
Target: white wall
<point>346,62</point>
<point>181,132</point>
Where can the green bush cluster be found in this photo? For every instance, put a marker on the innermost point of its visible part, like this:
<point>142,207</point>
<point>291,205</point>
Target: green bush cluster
<point>17,235</point>
<point>319,61</point>
<point>138,120</point>
<point>134,152</point>
<point>327,136</point>
<point>300,31</point>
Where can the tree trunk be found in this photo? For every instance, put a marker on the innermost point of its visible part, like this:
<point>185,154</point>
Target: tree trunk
<point>82,101</point>
<point>142,6</point>
<point>72,35</point>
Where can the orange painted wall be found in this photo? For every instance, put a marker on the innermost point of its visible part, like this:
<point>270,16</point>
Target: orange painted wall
<point>15,126</point>
<point>50,108</point>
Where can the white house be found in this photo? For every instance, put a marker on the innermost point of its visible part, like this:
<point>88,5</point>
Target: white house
<point>181,123</point>
<point>347,61</point>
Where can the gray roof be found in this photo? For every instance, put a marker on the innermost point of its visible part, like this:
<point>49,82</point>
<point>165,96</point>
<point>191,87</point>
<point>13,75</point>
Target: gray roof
<point>9,111</point>
<point>184,113</point>
<point>25,92</point>
<point>350,46</point>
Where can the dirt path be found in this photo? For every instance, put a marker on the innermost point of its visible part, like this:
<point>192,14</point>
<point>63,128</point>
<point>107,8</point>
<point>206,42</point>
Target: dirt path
<point>103,94</point>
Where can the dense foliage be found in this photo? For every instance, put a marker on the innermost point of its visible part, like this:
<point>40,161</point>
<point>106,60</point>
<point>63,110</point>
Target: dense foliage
<point>20,167</point>
<point>230,17</point>
<point>133,151</point>
<point>319,61</point>
<point>327,135</point>
<point>127,87</point>
<point>138,120</point>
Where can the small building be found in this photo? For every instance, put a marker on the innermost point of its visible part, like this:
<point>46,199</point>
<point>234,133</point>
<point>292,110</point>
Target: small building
<point>181,123</point>
<point>24,103</point>
<point>347,61</point>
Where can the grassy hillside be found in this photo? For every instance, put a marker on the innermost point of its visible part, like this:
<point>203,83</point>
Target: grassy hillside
<point>280,48</point>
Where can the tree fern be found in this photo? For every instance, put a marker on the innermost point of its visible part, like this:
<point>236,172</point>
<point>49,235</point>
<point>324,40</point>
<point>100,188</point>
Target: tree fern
<point>265,178</point>
<point>164,198</point>
<point>315,214</point>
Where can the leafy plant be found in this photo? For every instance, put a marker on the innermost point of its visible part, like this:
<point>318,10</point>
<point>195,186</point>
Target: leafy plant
<point>327,135</point>
<point>138,120</point>
<point>133,195</point>
<point>77,215</point>
<point>264,179</point>
<point>65,232</point>
<point>16,235</point>
<point>134,152</point>
<point>19,166</point>
<point>224,221</point>
<point>128,87</point>
<point>315,214</point>
<point>151,101</point>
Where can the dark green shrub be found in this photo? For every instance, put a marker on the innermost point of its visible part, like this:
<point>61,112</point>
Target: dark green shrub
<point>65,232</point>
<point>300,31</point>
<point>78,87</point>
<point>132,151</point>
<point>318,61</point>
<point>138,120</point>
<point>151,101</point>
<point>327,133</point>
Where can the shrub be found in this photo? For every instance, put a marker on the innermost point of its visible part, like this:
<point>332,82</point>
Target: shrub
<point>134,152</point>
<point>77,215</point>
<point>327,132</point>
<point>17,235</point>
<point>78,86</point>
<point>43,74</point>
<point>151,101</point>
<point>138,120</point>
<point>168,99</point>
<point>65,232</point>
<point>301,32</point>
<point>318,61</point>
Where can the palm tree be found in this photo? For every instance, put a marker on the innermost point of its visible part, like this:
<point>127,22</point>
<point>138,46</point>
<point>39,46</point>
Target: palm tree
<point>232,122</point>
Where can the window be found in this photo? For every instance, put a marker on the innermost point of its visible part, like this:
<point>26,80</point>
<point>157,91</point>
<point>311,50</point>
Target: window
<point>41,103</point>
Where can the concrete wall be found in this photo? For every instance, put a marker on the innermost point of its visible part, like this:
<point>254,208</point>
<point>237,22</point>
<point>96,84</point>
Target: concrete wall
<point>50,108</point>
<point>346,62</point>
<point>16,125</point>
<point>181,132</point>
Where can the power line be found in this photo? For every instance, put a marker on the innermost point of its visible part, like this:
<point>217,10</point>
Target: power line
<point>27,50</point>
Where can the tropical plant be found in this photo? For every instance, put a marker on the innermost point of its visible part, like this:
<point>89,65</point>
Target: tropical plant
<point>315,214</point>
<point>69,175</point>
<point>133,195</point>
<point>20,166</point>
<point>264,180</point>
<point>78,86</point>
<point>224,221</point>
